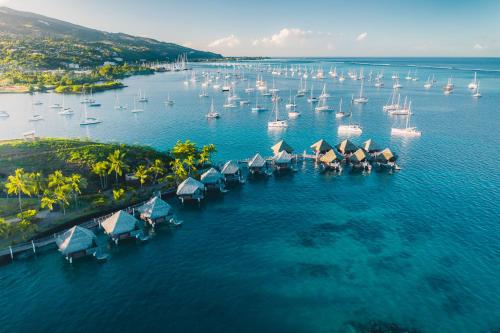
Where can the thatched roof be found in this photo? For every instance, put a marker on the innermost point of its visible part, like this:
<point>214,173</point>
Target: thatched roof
<point>281,146</point>
<point>230,168</point>
<point>155,208</point>
<point>346,147</point>
<point>331,156</point>
<point>283,157</point>
<point>119,223</point>
<point>358,156</point>
<point>385,156</point>
<point>189,187</point>
<point>257,162</point>
<point>75,239</point>
<point>211,176</point>
<point>321,146</point>
<point>371,146</point>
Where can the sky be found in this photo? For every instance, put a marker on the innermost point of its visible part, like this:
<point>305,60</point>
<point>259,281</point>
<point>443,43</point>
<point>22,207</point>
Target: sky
<point>294,28</point>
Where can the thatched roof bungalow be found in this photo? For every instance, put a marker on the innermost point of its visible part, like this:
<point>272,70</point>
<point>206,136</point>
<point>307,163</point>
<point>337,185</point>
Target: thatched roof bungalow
<point>281,146</point>
<point>332,160</point>
<point>346,147</point>
<point>155,211</point>
<point>120,225</point>
<point>76,242</point>
<point>213,179</point>
<point>321,147</point>
<point>190,189</point>
<point>257,164</point>
<point>231,171</point>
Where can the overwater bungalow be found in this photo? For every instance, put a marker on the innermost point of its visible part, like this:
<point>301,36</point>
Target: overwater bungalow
<point>371,147</point>
<point>321,147</point>
<point>121,225</point>
<point>76,242</point>
<point>332,160</point>
<point>232,172</point>
<point>283,161</point>
<point>155,211</point>
<point>386,160</point>
<point>346,147</point>
<point>213,180</point>
<point>359,160</point>
<point>190,189</point>
<point>281,146</point>
<point>257,165</point>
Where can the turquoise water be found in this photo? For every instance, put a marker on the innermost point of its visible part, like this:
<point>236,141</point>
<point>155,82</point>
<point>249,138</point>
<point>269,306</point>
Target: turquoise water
<point>307,252</point>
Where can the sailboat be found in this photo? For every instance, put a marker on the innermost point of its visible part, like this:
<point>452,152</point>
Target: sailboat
<point>249,89</point>
<point>274,89</point>
<point>135,109</point>
<point>118,106</point>
<point>350,128</point>
<point>293,113</point>
<point>169,101</point>
<point>477,94</point>
<point>341,77</point>
<point>66,111</point>
<point>428,83</point>
<point>473,85</point>
<point>92,101</point>
<point>229,104</point>
<point>4,114</point>
<point>258,107</point>
<point>142,98</point>
<point>89,120</point>
<point>277,122</point>
<point>312,98</point>
<point>324,94</point>
<point>393,104</point>
<point>212,114</point>
<point>396,84</point>
<point>302,89</point>
<point>54,105</point>
<point>290,104</point>
<point>361,99</point>
<point>37,102</point>
<point>448,88</point>
<point>322,106</point>
<point>340,113</point>
<point>402,111</point>
<point>407,130</point>
<point>203,92</point>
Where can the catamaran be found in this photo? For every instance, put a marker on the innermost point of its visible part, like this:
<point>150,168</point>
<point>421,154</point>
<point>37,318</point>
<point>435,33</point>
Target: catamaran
<point>324,94</point>
<point>322,106</point>
<point>258,107</point>
<point>361,99</point>
<point>350,128</point>
<point>89,120</point>
<point>402,111</point>
<point>277,122</point>
<point>407,130</point>
<point>290,104</point>
<point>393,104</point>
<point>212,114</point>
<point>473,85</point>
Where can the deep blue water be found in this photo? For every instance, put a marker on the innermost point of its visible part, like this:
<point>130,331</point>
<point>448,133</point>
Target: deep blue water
<point>307,252</point>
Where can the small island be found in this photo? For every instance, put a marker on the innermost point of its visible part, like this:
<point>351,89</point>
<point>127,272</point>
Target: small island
<point>51,184</point>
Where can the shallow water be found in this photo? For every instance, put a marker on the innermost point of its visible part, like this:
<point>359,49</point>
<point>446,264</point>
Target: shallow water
<point>306,252</point>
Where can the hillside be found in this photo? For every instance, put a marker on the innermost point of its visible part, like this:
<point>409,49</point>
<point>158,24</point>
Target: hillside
<point>33,41</point>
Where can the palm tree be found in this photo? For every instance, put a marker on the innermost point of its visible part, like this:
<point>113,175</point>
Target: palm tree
<point>179,170</point>
<point>118,194</point>
<point>18,184</point>
<point>190,164</point>
<point>117,163</point>
<point>157,168</point>
<point>59,189</point>
<point>142,174</point>
<point>37,183</point>
<point>184,149</point>
<point>100,169</point>
<point>77,183</point>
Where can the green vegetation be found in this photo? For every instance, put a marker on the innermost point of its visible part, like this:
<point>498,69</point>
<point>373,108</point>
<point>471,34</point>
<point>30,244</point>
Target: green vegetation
<point>74,179</point>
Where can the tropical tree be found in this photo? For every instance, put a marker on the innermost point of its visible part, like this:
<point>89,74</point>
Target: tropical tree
<point>37,183</point>
<point>178,170</point>
<point>118,194</point>
<point>182,150</point>
<point>18,184</point>
<point>101,169</point>
<point>4,228</point>
<point>142,174</point>
<point>117,163</point>
<point>77,183</point>
<point>59,189</point>
<point>190,163</point>
<point>157,168</point>
<point>48,201</point>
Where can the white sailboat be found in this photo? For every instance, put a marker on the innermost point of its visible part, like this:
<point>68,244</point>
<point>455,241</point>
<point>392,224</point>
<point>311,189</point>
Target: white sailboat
<point>396,84</point>
<point>428,83</point>
<point>258,107</point>
<point>393,104</point>
<point>361,99</point>
<point>293,113</point>
<point>212,114</point>
<point>89,120</point>
<point>203,92</point>
<point>407,130</point>
<point>277,122</point>
<point>169,101</point>
<point>324,94</point>
<point>473,85</point>
<point>54,105</point>
<point>323,106</point>
<point>118,106</point>
<point>142,97</point>
<point>477,94</point>
<point>351,128</point>
<point>448,88</point>
<point>136,109</point>
<point>340,113</point>
<point>290,104</point>
<point>403,110</point>
<point>312,98</point>
<point>229,103</point>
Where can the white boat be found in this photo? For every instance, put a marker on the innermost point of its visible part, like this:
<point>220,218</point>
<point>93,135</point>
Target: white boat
<point>203,92</point>
<point>277,122</point>
<point>378,83</point>
<point>244,102</point>
<point>290,104</point>
<point>341,77</point>
<point>136,109</point>
<point>407,130</point>
<point>169,101</point>
<point>35,117</point>
<point>409,77</point>
<point>340,113</point>
<point>428,83</point>
<point>293,114</point>
<point>322,106</point>
<point>312,98</point>
<point>403,110</point>
<point>249,89</point>
<point>142,97</point>
<point>361,99</point>
<point>212,114</point>
<point>448,88</point>
<point>66,112</point>
<point>274,89</point>
<point>473,85</point>
<point>4,114</point>
<point>229,104</point>
<point>302,89</point>
<point>350,128</point>
<point>258,107</point>
<point>324,94</point>
<point>55,106</point>
<point>36,103</point>
<point>396,84</point>
<point>89,120</point>
<point>393,104</point>
<point>477,94</point>
<point>118,106</point>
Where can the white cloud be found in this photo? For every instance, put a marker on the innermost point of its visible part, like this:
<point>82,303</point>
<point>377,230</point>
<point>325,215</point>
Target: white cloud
<point>229,41</point>
<point>478,46</point>
<point>289,37</point>
<point>362,36</point>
